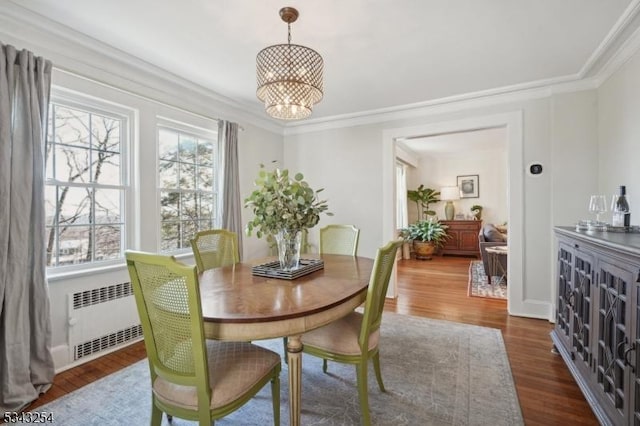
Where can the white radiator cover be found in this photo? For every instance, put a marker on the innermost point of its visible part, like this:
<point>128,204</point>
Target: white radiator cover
<point>101,319</point>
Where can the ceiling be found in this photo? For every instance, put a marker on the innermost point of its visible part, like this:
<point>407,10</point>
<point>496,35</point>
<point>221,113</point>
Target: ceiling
<point>378,54</point>
<point>494,139</point>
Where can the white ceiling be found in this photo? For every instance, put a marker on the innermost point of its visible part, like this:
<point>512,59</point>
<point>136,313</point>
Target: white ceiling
<point>378,53</point>
<point>453,143</point>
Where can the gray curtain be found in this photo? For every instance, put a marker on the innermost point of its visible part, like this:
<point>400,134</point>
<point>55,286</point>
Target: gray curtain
<point>26,364</point>
<point>231,213</point>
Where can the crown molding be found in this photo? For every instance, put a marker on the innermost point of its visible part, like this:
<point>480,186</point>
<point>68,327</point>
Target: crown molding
<point>78,54</point>
<point>482,99</point>
<point>626,50</point>
<point>610,46</point>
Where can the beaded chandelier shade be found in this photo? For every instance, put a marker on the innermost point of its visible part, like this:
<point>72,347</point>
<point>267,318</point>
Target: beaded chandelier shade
<point>289,76</point>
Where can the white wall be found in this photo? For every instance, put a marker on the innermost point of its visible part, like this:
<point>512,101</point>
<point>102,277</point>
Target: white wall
<point>574,150</point>
<point>619,134</point>
<point>255,147</point>
<point>346,164</point>
<point>442,170</point>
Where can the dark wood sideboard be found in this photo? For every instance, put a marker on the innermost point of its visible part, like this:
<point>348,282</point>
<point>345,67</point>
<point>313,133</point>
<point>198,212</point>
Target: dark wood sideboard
<point>597,328</point>
<point>463,237</point>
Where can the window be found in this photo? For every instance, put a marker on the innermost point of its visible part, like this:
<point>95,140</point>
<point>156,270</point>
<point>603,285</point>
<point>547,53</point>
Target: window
<point>187,168</point>
<point>85,184</point>
<point>401,196</point>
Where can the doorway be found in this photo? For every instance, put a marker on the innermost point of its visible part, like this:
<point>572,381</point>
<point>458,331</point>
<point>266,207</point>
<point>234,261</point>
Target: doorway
<point>512,123</point>
<point>441,162</point>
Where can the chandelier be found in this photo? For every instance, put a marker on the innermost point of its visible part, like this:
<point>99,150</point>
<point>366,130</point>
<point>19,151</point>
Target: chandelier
<point>289,76</point>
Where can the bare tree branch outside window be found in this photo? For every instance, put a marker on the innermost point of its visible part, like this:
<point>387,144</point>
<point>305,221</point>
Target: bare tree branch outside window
<point>84,194</point>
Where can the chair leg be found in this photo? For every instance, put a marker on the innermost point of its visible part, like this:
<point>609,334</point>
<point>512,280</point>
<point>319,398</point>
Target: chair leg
<point>285,341</point>
<point>156,414</point>
<point>169,418</point>
<point>204,418</point>
<point>275,397</point>
<point>363,394</point>
<point>324,365</point>
<point>376,367</point>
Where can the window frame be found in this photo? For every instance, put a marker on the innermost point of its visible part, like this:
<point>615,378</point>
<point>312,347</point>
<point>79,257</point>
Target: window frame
<point>128,121</point>
<point>199,132</point>
<point>402,212</point>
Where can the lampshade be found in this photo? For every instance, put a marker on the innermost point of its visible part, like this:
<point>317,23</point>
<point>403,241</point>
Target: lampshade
<point>449,193</point>
<point>289,76</point>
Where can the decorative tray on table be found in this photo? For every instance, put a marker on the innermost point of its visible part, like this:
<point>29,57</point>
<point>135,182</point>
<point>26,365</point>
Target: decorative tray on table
<point>589,225</point>
<point>273,270</point>
<point>625,229</point>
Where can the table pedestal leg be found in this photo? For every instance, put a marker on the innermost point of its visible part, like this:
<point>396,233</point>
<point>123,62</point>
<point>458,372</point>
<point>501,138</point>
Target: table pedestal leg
<point>294,356</point>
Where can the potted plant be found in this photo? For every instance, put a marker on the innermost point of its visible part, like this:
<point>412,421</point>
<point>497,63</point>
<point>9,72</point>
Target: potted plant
<point>427,236</point>
<point>477,211</point>
<point>283,207</point>
<point>423,197</point>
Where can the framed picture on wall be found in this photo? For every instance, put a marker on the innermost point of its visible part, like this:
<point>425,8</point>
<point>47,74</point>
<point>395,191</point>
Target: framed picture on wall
<point>469,186</point>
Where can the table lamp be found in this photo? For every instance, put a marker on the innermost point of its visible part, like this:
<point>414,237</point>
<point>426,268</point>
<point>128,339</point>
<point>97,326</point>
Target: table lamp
<point>449,194</point>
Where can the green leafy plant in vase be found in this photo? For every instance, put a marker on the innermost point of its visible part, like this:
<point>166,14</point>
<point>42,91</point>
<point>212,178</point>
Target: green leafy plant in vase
<point>427,236</point>
<point>284,206</point>
<point>423,197</point>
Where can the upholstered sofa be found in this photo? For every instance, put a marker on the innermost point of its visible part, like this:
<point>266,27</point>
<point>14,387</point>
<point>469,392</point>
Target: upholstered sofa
<point>490,236</point>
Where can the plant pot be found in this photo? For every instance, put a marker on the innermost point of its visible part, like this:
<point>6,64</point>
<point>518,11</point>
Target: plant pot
<point>423,249</point>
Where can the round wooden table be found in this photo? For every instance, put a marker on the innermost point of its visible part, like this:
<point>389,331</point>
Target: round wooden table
<point>237,305</point>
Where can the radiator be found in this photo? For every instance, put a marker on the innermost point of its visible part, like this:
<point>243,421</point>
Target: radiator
<point>102,319</point>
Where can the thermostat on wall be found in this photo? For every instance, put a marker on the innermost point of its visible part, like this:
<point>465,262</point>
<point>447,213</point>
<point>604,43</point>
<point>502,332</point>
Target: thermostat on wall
<point>535,169</point>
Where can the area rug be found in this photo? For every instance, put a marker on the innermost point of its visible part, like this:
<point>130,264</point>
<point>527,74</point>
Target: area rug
<point>479,285</point>
<point>435,372</point>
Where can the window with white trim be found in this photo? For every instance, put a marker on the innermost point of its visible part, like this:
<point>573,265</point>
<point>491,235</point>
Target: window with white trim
<point>85,187</point>
<point>187,176</point>
<point>401,196</point>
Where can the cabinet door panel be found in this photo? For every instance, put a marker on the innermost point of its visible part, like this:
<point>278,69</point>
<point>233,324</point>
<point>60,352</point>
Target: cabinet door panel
<point>468,240</point>
<point>613,337</point>
<point>632,355</point>
<point>582,308</point>
<point>564,309</point>
<point>453,242</point>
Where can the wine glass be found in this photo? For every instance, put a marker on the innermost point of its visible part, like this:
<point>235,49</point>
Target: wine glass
<point>598,205</point>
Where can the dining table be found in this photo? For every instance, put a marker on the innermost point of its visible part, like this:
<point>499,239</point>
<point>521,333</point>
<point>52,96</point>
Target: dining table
<point>240,306</point>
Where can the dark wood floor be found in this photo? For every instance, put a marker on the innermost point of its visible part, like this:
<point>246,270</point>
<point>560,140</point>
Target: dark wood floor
<point>436,289</point>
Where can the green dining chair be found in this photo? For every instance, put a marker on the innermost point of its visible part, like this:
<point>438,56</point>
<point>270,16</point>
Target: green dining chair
<point>193,378</point>
<point>339,239</point>
<point>354,338</point>
<point>215,248</point>
<point>335,239</point>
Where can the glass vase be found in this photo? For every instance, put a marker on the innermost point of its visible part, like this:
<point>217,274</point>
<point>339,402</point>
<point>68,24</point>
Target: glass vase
<point>289,249</point>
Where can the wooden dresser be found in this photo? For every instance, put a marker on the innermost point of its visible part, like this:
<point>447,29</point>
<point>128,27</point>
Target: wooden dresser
<point>463,237</point>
